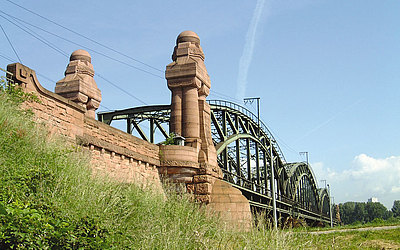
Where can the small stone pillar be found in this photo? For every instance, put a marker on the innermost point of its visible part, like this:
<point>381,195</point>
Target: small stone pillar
<point>78,85</point>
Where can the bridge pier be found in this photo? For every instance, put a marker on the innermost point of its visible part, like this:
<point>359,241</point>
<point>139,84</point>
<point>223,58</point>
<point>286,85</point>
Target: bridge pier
<point>190,84</point>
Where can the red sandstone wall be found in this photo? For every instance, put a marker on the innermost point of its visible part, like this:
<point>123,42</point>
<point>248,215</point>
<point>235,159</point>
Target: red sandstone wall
<point>61,115</point>
<point>121,155</point>
<point>131,159</point>
<point>114,152</point>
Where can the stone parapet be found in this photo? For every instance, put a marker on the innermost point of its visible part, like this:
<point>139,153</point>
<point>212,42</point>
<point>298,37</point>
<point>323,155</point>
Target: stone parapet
<point>112,151</point>
<point>130,159</point>
<point>106,136</point>
<point>61,115</point>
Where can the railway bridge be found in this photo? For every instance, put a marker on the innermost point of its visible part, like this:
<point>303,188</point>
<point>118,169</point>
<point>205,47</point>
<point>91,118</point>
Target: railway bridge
<point>229,159</point>
<point>248,155</point>
<point>225,141</point>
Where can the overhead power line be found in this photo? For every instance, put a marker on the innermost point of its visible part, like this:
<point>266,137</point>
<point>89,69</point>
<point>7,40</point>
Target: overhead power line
<point>118,87</point>
<point>35,36</point>
<point>37,73</point>
<point>65,54</point>
<point>88,38</point>
<point>7,58</point>
<point>82,46</point>
<point>9,41</point>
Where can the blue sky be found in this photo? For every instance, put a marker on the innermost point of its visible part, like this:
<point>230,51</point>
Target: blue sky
<point>327,72</point>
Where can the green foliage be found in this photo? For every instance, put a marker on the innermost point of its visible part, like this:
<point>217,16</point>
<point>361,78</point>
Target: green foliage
<point>170,140</point>
<point>14,93</point>
<point>366,239</point>
<point>396,208</point>
<point>25,227</point>
<point>30,169</point>
<point>361,212</point>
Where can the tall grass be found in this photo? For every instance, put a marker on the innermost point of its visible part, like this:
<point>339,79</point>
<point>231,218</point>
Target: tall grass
<point>49,198</point>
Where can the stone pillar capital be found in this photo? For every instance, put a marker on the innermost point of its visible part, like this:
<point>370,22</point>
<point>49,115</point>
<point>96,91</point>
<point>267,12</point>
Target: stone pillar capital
<point>78,85</point>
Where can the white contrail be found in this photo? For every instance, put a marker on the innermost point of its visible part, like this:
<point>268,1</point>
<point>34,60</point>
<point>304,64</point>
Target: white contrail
<point>247,55</point>
<point>329,120</point>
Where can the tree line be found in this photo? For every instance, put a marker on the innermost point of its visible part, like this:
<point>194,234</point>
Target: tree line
<point>362,212</point>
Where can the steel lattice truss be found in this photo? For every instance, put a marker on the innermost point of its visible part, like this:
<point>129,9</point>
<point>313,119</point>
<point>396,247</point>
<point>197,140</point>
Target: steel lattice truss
<point>246,150</point>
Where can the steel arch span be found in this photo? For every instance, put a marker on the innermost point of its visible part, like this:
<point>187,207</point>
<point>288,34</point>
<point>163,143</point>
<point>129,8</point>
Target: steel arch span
<point>246,151</point>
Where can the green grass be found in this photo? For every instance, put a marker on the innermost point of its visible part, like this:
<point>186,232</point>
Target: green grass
<point>394,221</point>
<point>49,198</point>
<point>382,239</point>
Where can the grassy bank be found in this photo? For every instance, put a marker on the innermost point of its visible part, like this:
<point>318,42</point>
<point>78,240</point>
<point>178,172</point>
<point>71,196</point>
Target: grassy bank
<point>382,239</point>
<point>49,198</point>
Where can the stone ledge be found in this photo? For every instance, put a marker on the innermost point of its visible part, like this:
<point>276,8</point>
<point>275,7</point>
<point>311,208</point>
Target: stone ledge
<point>24,75</point>
<point>87,140</point>
<point>176,163</point>
<point>100,125</point>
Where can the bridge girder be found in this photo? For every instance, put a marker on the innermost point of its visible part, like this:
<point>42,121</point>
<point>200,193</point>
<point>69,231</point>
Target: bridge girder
<point>243,150</point>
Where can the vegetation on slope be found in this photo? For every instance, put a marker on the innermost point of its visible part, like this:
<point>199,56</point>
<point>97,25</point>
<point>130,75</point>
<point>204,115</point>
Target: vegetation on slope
<point>367,239</point>
<point>50,199</point>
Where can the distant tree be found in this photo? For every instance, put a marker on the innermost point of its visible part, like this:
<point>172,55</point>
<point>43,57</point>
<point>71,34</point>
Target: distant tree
<point>360,212</point>
<point>375,210</point>
<point>388,215</point>
<point>396,208</point>
<point>346,212</point>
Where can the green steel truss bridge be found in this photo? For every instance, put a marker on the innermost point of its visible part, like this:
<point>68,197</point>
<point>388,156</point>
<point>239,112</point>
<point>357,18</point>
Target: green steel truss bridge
<point>247,153</point>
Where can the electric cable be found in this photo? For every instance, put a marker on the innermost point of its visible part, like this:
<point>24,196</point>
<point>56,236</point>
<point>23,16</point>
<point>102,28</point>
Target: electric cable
<point>40,39</point>
<point>64,54</point>
<point>9,41</point>
<point>116,86</point>
<point>7,58</point>
<point>220,95</point>
<point>76,33</point>
<point>37,73</point>
<point>85,47</point>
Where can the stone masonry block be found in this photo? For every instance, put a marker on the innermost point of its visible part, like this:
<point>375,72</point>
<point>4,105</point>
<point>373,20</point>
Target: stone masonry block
<point>204,199</point>
<point>203,188</point>
<point>203,178</point>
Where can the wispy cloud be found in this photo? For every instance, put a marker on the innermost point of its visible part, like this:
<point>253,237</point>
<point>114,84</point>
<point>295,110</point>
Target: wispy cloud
<point>365,178</point>
<point>247,56</point>
<point>333,117</point>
